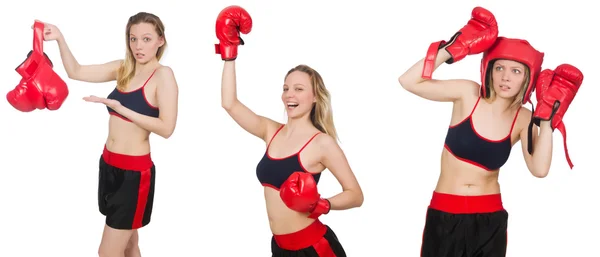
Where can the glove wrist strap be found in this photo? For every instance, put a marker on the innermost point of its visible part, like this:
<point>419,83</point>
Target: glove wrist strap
<point>323,206</point>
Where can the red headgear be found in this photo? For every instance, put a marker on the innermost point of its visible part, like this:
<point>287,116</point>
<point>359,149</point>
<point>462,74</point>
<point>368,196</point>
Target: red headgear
<point>515,50</point>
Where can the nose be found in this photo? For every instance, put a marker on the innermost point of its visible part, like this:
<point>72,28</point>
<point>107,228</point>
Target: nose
<point>138,44</point>
<point>288,94</point>
<point>505,76</point>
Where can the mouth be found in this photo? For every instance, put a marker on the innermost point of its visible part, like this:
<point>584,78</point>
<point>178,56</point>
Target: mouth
<point>504,87</point>
<point>291,106</point>
<point>139,55</point>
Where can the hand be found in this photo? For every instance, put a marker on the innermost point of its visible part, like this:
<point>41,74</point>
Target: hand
<point>51,32</point>
<point>113,104</point>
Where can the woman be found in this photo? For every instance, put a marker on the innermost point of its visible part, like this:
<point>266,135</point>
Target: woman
<point>466,216</point>
<point>296,152</point>
<point>144,101</point>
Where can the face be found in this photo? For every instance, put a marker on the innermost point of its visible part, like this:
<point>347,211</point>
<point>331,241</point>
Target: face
<point>144,42</point>
<point>298,97</point>
<point>508,77</point>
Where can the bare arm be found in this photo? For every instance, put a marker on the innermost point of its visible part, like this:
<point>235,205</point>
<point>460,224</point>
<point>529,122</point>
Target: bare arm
<point>436,90</point>
<point>167,93</point>
<point>254,124</point>
<point>335,161</point>
<point>538,163</point>
<point>96,73</point>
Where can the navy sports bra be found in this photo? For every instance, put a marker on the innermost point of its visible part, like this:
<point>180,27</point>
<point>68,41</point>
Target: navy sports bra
<point>134,100</point>
<point>272,172</point>
<point>467,145</point>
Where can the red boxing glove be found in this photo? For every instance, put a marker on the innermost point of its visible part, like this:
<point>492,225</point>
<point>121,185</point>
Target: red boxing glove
<point>231,21</point>
<point>299,193</point>
<point>25,97</point>
<point>478,35</point>
<point>40,87</point>
<point>555,92</point>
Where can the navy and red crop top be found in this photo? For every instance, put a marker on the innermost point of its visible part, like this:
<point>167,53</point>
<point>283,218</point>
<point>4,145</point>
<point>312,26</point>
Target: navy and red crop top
<point>463,141</point>
<point>134,100</point>
<point>272,172</point>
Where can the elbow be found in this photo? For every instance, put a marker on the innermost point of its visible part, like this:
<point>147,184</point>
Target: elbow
<point>227,104</point>
<point>540,173</point>
<point>72,73</point>
<point>405,83</point>
<point>359,199</point>
<point>167,134</point>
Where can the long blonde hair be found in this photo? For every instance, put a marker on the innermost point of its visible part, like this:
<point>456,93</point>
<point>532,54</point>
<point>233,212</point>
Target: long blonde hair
<point>127,69</point>
<point>517,101</point>
<point>321,114</point>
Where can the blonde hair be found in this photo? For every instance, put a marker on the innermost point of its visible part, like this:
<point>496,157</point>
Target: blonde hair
<point>518,99</point>
<point>321,114</point>
<point>127,69</point>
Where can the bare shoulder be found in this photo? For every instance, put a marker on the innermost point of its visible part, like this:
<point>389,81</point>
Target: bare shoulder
<point>165,72</point>
<point>165,77</point>
<point>470,93</point>
<point>471,88</point>
<point>326,142</point>
<point>523,119</point>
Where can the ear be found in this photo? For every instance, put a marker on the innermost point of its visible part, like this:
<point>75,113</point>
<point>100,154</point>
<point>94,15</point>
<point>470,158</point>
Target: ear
<point>162,41</point>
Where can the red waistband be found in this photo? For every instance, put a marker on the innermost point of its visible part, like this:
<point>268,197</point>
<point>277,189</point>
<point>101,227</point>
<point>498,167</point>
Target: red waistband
<point>127,162</point>
<point>303,238</point>
<point>458,204</point>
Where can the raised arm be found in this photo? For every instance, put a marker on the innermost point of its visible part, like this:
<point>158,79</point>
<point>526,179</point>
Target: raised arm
<point>476,36</point>
<point>436,90</point>
<point>254,124</point>
<point>94,73</point>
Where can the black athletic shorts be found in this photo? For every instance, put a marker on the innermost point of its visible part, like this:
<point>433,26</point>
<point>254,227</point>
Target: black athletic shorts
<point>465,226</point>
<point>126,189</point>
<point>316,240</point>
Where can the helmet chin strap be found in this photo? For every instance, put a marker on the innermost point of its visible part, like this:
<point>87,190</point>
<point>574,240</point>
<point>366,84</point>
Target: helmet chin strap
<point>530,130</point>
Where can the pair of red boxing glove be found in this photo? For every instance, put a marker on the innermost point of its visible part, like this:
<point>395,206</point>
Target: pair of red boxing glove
<point>299,192</point>
<point>40,87</point>
<point>555,89</point>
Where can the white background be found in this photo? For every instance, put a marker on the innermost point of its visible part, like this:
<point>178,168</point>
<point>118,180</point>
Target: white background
<point>208,201</point>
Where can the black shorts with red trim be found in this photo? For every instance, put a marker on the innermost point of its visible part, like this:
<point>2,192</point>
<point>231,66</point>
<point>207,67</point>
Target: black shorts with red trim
<point>465,226</point>
<point>126,189</point>
<point>316,240</point>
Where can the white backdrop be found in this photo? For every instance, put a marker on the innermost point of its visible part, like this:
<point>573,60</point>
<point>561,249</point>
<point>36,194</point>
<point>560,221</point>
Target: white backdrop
<point>208,201</point>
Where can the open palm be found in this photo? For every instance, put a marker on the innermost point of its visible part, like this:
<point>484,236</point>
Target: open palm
<point>108,102</point>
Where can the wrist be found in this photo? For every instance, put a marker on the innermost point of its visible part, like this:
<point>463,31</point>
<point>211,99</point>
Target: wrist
<point>60,38</point>
<point>546,124</point>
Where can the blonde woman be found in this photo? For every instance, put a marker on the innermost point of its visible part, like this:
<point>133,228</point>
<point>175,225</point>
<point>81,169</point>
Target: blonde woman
<point>466,216</point>
<point>296,152</point>
<point>144,101</point>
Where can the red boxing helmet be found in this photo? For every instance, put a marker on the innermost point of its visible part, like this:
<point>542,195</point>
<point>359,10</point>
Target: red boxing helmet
<point>513,49</point>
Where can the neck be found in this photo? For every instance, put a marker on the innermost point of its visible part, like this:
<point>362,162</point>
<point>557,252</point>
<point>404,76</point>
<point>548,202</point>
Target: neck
<point>300,123</point>
<point>501,105</point>
<point>146,67</point>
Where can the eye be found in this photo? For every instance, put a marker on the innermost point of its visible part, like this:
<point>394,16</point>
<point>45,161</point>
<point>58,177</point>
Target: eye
<point>146,39</point>
<point>517,71</point>
<point>498,68</point>
<point>132,39</point>
<point>299,89</point>
<point>285,89</point>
